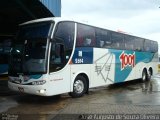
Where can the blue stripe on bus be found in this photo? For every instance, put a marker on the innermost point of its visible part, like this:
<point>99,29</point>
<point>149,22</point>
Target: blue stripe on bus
<point>83,55</point>
<point>122,73</point>
<point>3,68</point>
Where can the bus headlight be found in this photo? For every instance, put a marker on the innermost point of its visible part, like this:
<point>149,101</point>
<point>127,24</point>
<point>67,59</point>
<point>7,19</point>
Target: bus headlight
<point>41,82</point>
<point>42,91</point>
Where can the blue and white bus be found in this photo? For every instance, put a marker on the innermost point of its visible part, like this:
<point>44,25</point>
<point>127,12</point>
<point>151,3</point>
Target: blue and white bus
<point>5,46</point>
<point>53,56</point>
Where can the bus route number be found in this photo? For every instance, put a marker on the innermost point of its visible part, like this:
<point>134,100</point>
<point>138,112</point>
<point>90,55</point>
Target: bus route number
<point>79,60</point>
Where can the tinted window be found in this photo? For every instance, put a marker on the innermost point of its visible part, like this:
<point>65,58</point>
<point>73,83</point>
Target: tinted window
<point>85,35</point>
<point>154,46</point>
<point>35,50</point>
<point>147,45</point>
<point>103,38</point>
<point>117,40</point>
<point>57,60</point>
<point>150,46</point>
<point>65,34</point>
<point>129,42</point>
<point>36,30</point>
<point>138,44</point>
<point>62,47</point>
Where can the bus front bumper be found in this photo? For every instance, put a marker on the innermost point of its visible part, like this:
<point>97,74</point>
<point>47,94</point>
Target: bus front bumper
<point>30,89</point>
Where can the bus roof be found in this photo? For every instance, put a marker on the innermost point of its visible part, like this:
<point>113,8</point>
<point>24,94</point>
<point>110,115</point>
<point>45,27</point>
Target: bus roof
<point>59,19</point>
<point>56,19</point>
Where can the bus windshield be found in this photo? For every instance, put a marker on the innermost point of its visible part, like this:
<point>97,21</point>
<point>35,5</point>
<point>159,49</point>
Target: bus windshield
<point>28,55</point>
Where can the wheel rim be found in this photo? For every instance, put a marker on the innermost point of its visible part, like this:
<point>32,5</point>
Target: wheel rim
<point>78,86</point>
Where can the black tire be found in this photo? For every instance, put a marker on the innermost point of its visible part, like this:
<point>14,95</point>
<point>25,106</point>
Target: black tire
<point>144,75</point>
<point>149,74</point>
<point>79,87</point>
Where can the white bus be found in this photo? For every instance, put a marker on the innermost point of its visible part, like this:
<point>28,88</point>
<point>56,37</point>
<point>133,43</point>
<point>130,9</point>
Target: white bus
<point>53,56</point>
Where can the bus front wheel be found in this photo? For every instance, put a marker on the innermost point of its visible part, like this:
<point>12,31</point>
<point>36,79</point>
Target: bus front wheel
<point>79,87</point>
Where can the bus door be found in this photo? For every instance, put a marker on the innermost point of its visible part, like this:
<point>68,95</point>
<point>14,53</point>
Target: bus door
<point>59,73</point>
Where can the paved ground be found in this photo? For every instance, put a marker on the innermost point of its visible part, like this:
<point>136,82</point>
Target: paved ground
<point>4,90</point>
<point>131,98</point>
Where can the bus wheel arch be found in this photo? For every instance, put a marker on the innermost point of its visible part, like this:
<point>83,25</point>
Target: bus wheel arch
<point>87,81</point>
<point>80,85</point>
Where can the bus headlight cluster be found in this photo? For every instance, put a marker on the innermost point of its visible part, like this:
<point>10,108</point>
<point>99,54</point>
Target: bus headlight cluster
<point>42,91</point>
<point>41,82</point>
<point>26,78</point>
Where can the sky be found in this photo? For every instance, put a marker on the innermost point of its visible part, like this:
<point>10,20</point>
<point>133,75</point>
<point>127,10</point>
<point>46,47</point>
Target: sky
<point>136,17</point>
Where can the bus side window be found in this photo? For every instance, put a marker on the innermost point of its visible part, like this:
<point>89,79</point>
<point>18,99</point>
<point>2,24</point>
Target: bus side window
<point>85,36</point>
<point>138,44</point>
<point>147,45</point>
<point>65,34</point>
<point>117,40</point>
<point>57,57</point>
<point>79,39</point>
<point>155,44</point>
<point>129,42</point>
<point>103,38</point>
<point>153,47</point>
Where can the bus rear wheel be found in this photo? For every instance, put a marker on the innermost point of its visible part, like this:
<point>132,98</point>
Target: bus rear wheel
<point>149,74</point>
<point>79,87</point>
